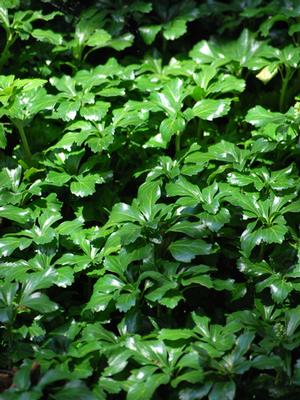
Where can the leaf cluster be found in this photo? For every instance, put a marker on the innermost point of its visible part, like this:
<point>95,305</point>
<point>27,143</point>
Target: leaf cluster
<point>149,200</point>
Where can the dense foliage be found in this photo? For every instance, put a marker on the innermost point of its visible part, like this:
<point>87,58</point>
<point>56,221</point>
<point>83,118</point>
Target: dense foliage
<point>149,200</point>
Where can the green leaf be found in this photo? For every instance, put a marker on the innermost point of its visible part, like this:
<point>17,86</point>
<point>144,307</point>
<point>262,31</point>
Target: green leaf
<point>192,229</point>
<point>76,390</point>
<point>170,99</point>
<point>268,24</point>
<point>39,302</point>
<point>202,280</point>
<point>158,293</point>
<point>207,52</point>
<point>78,262</point>
<point>149,33</point>
<point>259,116</point>
<point>191,377</point>
<point>64,277</point>
<point>64,84</point>
<point>117,362</point>
<point>201,324</point>
<point>69,227</point>
<point>145,389</point>
<point>67,110</point>
<point>99,302</point>
<point>223,390</point>
<point>22,376</point>
<point>186,250</point>
<point>121,42</point>
<point>104,291</point>
<point>252,237</point>
<point>9,244</point>
<point>280,288</point>
<point>227,83</point>
<point>190,194</point>
<point>174,29</point>
<point>122,212</point>
<point>171,126</point>
<point>57,178</point>
<point>242,345</point>
<point>95,112</point>
<point>148,194</point>
<point>294,28</point>
<point>267,362</point>
<point>16,214</point>
<point>209,109</point>
<point>126,301</point>
<point>195,393</point>
<point>85,185</point>
<point>47,36</point>
<point>129,233</point>
<point>292,320</point>
<point>175,334</point>
<point>98,39</point>
<point>31,101</point>
<point>171,299</point>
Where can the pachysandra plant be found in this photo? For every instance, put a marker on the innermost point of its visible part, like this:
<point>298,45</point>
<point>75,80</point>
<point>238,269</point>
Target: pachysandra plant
<point>149,200</point>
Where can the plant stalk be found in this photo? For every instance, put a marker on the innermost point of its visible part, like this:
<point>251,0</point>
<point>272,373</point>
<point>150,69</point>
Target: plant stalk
<point>285,82</point>
<point>262,251</point>
<point>10,39</point>
<point>199,131</point>
<point>9,345</point>
<point>177,143</point>
<point>24,140</point>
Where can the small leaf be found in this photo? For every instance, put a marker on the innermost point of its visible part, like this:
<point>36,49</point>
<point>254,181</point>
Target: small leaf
<point>99,38</point>
<point>125,301</point>
<point>47,36</point>
<point>259,116</point>
<point>293,320</point>
<point>122,212</point>
<point>267,362</point>
<point>85,185</point>
<point>148,194</point>
<point>175,334</point>
<point>190,376</point>
<point>223,391</point>
<point>9,244</point>
<point>16,214</point>
<point>190,193</point>
<point>38,302</point>
<point>149,33</point>
<point>174,29</point>
<point>186,250</point>
<point>171,126</point>
<point>209,109</point>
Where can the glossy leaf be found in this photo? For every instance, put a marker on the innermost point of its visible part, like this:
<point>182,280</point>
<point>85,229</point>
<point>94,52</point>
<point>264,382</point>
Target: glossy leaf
<point>186,250</point>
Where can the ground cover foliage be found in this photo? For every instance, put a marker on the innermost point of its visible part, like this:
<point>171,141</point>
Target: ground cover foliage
<point>149,200</point>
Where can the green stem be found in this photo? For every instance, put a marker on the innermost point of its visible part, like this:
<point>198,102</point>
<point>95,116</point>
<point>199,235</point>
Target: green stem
<point>199,130</point>
<point>83,58</point>
<point>261,251</point>
<point>285,82</point>
<point>22,134</point>
<point>177,143</point>
<point>10,39</point>
<point>10,338</point>
<point>9,345</point>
